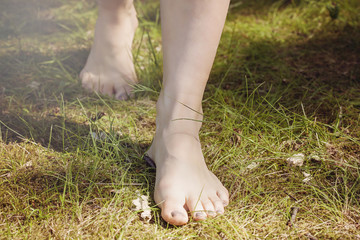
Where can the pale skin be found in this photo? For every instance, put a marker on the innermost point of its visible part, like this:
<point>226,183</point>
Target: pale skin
<point>191,31</point>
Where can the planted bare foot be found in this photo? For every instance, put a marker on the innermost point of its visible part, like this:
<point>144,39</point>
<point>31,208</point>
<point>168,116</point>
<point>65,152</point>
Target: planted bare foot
<point>109,68</point>
<point>183,182</point>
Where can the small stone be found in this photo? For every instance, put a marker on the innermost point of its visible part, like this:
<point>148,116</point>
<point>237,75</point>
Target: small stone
<point>296,160</point>
<point>252,165</point>
<point>315,157</point>
<point>99,137</point>
<point>116,191</point>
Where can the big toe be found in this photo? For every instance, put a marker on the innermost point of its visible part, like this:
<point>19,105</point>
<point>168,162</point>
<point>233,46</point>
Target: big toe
<point>196,208</point>
<point>174,213</point>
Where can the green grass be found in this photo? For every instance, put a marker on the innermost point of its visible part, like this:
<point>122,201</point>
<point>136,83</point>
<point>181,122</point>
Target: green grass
<point>286,80</point>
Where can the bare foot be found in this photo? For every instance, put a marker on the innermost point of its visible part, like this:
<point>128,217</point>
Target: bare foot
<point>183,181</point>
<point>109,68</point>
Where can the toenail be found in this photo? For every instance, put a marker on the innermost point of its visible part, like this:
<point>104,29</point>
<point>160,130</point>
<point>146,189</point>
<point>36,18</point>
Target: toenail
<point>122,97</point>
<point>219,211</point>
<point>176,214</point>
<point>200,215</point>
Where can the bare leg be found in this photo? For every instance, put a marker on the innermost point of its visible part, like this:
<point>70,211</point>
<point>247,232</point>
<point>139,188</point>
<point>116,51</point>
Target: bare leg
<point>191,32</point>
<point>109,68</point>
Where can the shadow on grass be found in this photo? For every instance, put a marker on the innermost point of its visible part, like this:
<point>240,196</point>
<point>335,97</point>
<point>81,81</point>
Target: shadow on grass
<point>32,18</point>
<point>321,72</point>
<point>34,85</point>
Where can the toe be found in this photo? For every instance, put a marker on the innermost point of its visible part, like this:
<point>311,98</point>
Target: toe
<point>107,89</point>
<point>218,204</point>
<point>174,213</point>
<point>209,208</point>
<point>224,196</point>
<point>122,95</point>
<point>196,208</point>
<point>84,76</point>
<point>88,81</point>
<point>123,92</point>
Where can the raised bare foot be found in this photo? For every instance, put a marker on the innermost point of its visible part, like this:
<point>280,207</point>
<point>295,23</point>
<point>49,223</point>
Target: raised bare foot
<point>109,68</point>
<point>183,181</point>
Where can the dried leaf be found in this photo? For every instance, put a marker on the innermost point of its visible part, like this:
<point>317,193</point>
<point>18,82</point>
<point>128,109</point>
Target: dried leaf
<point>307,178</point>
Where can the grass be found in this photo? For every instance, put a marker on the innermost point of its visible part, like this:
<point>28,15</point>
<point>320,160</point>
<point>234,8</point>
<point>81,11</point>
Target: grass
<point>286,80</point>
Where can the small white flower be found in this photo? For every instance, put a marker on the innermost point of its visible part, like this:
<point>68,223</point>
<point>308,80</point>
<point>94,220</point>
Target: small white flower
<point>141,203</point>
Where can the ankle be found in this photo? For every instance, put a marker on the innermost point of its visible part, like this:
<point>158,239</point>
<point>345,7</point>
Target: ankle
<point>178,115</point>
<point>118,14</point>
<point>111,5</point>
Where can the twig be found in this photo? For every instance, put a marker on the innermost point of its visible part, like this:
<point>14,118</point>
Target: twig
<point>292,197</point>
<point>113,184</point>
<point>5,175</point>
<point>272,173</point>
<point>294,211</point>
